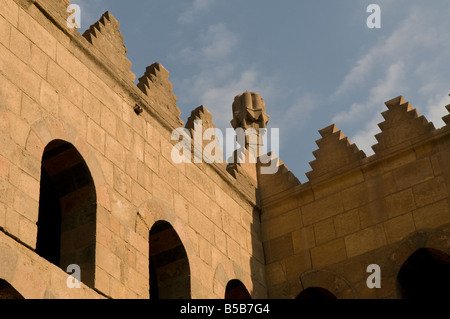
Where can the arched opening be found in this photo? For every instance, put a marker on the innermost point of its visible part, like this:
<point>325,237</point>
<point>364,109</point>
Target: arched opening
<point>425,274</point>
<point>316,293</point>
<point>67,210</point>
<point>170,276</point>
<point>236,290</point>
<point>8,292</point>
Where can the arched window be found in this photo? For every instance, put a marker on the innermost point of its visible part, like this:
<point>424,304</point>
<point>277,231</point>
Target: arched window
<point>425,274</point>
<point>236,290</point>
<point>67,210</point>
<point>316,293</point>
<point>170,276</point>
<point>8,292</point>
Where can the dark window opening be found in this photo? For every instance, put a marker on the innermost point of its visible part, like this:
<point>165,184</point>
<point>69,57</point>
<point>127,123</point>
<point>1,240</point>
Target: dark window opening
<point>8,292</point>
<point>425,274</point>
<point>169,266</point>
<point>316,293</point>
<point>236,290</point>
<point>67,210</point>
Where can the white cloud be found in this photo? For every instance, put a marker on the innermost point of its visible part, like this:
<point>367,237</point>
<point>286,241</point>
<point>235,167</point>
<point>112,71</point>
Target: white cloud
<point>415,56</point>
<point>197,7</point>
<point>219,42</point>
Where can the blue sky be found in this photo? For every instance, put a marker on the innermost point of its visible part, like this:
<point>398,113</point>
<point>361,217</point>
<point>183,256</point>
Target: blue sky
<point>314,62</point>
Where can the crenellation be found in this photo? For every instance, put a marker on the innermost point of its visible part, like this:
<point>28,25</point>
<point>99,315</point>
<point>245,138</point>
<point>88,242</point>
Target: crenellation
<point>156,85</point>
<point>106,37</point>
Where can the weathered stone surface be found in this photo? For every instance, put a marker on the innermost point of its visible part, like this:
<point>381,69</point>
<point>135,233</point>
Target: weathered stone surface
<point>155,83</point>
<point>71,118</point>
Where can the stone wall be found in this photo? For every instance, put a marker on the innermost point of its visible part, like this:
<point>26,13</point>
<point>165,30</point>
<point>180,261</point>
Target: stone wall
<point>57,84</point>
<point>356,211</point>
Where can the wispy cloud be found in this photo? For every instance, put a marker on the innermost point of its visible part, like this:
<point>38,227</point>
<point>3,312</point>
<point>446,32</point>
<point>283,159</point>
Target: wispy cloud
<point>198,6</point>
<point>415,56</point>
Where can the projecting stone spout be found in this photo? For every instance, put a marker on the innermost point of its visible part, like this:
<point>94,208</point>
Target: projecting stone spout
<point>249,110</point>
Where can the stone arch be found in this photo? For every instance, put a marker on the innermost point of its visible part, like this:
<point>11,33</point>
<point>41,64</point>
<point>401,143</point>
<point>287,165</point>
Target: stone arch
<point>228,271</point>
<point>324,280</point>
<point>152,211</point>
<point>8,264</point>
<point>67,220</point>
<point>428,239</point>
<point>170,274</point>
<point>47,129</point>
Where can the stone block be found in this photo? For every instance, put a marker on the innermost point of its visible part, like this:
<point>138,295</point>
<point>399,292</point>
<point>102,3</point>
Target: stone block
<point>108,120</point>
<point>26,206</point>
<point>399,227</point>
<point>49,98</point>
<point>5,32</point>
<point>322,209</point>
<point>201,224</point>
<point>96,136</point>
<point>162,191</point>
<point>329,253</point>
<point>151,158</point>
<point>297,264</point>
<point>347,223</point>
<point>20,45</point>
<point>430,191</point>
<point>303,239</point>
<point>72,115</point>
<point>27,231</point>
<point>100,90</point>
<point>324,231</point>
<point>10,11</point>
<point>19,73</point>
<point>281,225</point>
<point>432,216</point>
<point>168,172</point>
<point>65,84</point>
<point>37,34</point>
<point>72,65</point>
<point>30,111</point>
<point>10,96</point>
<point>280,248</point>
<point>400,203</point>
<point>365,240</point>
<point>92,106</point>
<point>373,213</point>
<point>276,273</point>
<point>413,173</point>
<point>115,152</point>
<point>39,61</point>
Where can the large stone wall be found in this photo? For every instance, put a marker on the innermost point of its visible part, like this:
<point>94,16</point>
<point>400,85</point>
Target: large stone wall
<point>57,84</point>
<point>356,211</point>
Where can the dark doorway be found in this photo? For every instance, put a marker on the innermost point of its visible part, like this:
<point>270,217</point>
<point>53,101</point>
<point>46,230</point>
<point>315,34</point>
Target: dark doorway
<point>236,290</point>
<point>425,274</point>
<point>316,293</point>
<point>67,210</point>
<point>8,292</point>
<point>169,265</point>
